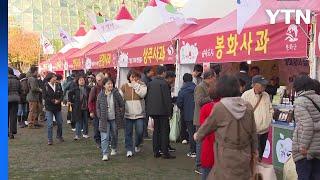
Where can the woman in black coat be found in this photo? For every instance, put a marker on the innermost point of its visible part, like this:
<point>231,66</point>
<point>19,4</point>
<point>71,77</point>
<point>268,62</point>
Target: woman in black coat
<point>53,95</point>
<point>78,97</point>
<point>13,101</point>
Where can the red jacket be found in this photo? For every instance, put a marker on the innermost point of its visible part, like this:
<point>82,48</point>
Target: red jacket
<point>94,92</point>
<point>207,151</point>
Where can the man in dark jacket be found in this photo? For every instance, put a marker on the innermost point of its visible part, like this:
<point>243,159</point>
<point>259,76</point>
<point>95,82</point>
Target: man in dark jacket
<point>33,97</point>
<point>13,100</point>
<point>23,104</point>
<point>148,73</point>
<point>159,107</point>
<point>53,96</point>
<point>185,102</point>
<point>244,75</point>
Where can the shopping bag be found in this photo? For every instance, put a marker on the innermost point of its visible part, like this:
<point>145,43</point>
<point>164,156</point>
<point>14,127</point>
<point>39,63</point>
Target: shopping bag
<point>175,126</point>
<point>265,171</point>
<point>289,170</point>
<point>150,124</point>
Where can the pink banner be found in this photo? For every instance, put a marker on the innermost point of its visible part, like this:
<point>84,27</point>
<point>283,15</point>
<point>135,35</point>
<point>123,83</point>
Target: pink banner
<point>99,61</point>
<point>318,37</point>
<point>277,41</point>
<point>155,54</point>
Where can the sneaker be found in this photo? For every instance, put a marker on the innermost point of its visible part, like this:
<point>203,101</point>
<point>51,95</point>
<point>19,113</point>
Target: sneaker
<point>98,145</point>
<point>68,122</point>
<point>137,149</point>
<point>73,129</point>
<point>171,149</point>
<point>76,138</point>
<point>85,136</point>
<point>60,139</point>
<point>26,123</point>
<point>38,125</point>
<point>168,156</point>
<point>191,155</point>
<point>113,152</point>
<point>49,142</point>
<point>198,171</point>
<point>81,130</point>
<point>105,158</point>
<point>184,142</point>
<point>11,136</point>
<point>129,154</point>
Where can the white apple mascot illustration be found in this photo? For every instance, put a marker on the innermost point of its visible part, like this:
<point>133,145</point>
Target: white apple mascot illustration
<point>189,53</point>
<point>123,59</point>
<point>283,149</point>
<point>88,64</point>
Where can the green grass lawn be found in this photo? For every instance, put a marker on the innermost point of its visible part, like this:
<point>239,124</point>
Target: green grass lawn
<point>31,158</point>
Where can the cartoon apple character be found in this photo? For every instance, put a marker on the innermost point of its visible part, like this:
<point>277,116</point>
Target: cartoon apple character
<point>88,64</point>
<point>189,53</point>
<point>283,149</point>
<point>123,59</point>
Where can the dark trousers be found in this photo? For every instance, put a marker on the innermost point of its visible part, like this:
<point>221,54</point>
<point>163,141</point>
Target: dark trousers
<point>262,138</point>
<point>191,130</point>
<point>12,117</point>
<point>183,133</point>
<point>145,126</point>
<point>96,136</point>
<point>161,134</point>
<point>308,169</point>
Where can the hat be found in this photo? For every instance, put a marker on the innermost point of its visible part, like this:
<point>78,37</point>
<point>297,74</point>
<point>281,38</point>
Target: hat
<point>91,76</point>
<point>208,74</point>
<point>259,79</point>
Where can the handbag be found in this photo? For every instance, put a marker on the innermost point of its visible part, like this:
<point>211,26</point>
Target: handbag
<point>265,172</point>
<point>175,126</point>
<point>289,170</point>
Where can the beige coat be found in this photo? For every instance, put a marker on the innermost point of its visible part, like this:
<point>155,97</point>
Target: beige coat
<point>233,122</point>
<point>263,114</point>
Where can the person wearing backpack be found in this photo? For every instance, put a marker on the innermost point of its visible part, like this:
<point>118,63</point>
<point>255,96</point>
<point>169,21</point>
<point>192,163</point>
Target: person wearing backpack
<point>306,138</point>
<point>233,124</point>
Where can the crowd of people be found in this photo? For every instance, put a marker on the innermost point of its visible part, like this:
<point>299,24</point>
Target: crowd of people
<point>225,119</point>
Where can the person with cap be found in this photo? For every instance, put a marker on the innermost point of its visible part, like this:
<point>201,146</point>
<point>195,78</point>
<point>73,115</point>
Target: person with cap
<point>53,96</point>
<point>202,97</point>
<point>262,107</point>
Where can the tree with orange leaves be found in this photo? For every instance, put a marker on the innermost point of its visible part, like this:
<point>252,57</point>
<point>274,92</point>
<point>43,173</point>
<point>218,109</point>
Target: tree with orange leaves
<point>23,48</point>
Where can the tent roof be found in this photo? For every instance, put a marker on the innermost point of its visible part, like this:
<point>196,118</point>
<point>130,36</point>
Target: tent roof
<point>116,43</point>
<point>153,2</point>
<point>83,51</point>
<point>168,31</point>
<point>68,53</point>
<point>149,19</point>
<point>229,23</point>
<point>123,13</point>
<point>81,31</point>
<point>202,9</point>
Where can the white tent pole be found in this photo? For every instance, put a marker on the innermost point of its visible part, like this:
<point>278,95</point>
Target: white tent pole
<point>312,50</point>
<point>177,81</point>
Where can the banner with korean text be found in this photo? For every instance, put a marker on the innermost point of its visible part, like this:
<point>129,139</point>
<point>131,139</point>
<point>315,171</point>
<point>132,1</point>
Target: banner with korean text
<point>155,54</point>
<point>265,42</point>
